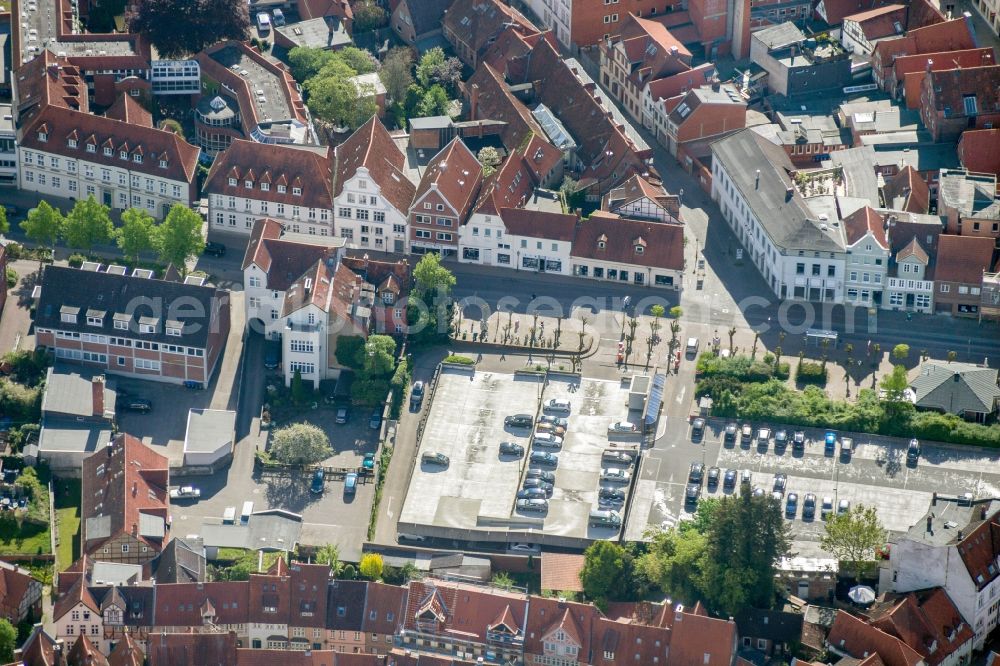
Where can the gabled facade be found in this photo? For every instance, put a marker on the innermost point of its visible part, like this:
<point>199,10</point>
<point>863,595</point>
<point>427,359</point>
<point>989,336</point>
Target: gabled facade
<point>954,35</point>
<point>617,249</point>
<point>418,20</point>
<point>867,258</point>
<point>861,31</point>
<point>444,199</point>
<point>958,275</point>
<point>703,115</point>
<point>372,195</point>
<point>639,199</point>
<point>20,593</point>
<point>471,28</point>
<point>291,184</point>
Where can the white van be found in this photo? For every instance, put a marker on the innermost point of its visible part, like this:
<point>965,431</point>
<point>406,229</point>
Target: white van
<point>692,347</point>
<point>263,23</point>
<point>229,515</point>
<point>247,510</point>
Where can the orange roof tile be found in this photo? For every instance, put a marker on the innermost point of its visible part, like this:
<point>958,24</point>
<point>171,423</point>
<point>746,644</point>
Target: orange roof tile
<point>963,259</point>
<point>561,571</point>
<point>853,636</point>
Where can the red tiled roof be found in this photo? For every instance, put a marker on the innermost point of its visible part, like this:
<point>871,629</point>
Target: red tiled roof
<point>479,23</point>
<point>308,594</point>
<point>282,259</point>
<point>206,649</point>
<point>180,604</point>
<point>310,9</point>
<point>979,150</point>
<point>923,13</point>
<point>923,620</point>
<point>257,657</point>
<point>496,102</point>
<point>545,615</point>
<point>980,549</point>
<point>463,609</point>
<point>652,49</point>
<point>951,85</point>
<point>128,110</point>
<point>40,649</point>
<point>694,635</point>
<point>541,157</point>
<point>84,653</point>
<point>127,653</point>
<point>561,571</point>
<point>394,276</point>
<point>906,64</point>
<point>456,174</point>
<point>121,482</point>
<point>857,638</point>
<point>371,147</point>
<point>861,222</point>
<point>389,604</point>
<point>837,10</point>
<point>313,287</point>
<point>539,224</point>
<point>963,259</point>
<point>914,249</point>
<point>663,245</point>
<point>951,35</point>
<point>308,168</point>
<point>907,191</point>
<point>507,187</point>
<point>15,583</point>
<point>881,21</point>
<point>78,594</point>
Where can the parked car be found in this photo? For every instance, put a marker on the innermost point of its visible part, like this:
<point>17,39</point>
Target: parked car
<point>913,452</point>
<point>343,414</point>
<point>729,479</point>
<point>698,427</point>
<point>827,507</point>
<point>316,486</point>
<point>416,395</point>
<point>696,473</point>
<point>745,477</point>
<point>550,428</point>
<point>519,421</point>
<point>548,440</point>
<point>780,440</point>
<point>137,405</point>
<point>375,421</point>
<point>621,427</point>
<point>780,482</point>
<point>560,421</point>
<point>615,475</point>
<point>185,492</point>
<point>368,463</point>
<point>843,507</point>
<point>525,548</point>
<point>692,492</point>
<point>608,493</point>
<point>713,476</point>
<point>799,441</point>
<point>846,448</point>
<point>532,493</point>
<point>272,355</point>
<point>435,458</point>
<point>730,432</point>
<point>621,457</point>
<point>560,405</point>
<point>830,443</point>
<point>746,434</point>
<point>511,449</point>
<point>537,505</point>
<point>538,483</point>
<point>543,474</point>
<point>691,348</point>
<point>350,483</point>
<point>214,249</point>
<point>809,507</point>
<point>758,492</point>
<point>791,505</point>
<point>544,458</point>
<point>763,436</point>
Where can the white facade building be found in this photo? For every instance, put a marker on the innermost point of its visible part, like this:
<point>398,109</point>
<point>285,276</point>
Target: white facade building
<point>867,258</point>
<point>556,15</point>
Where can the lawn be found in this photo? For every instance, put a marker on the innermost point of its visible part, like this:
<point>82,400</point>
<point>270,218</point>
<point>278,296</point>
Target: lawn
<point>68,520</point>
<point>28,539</point>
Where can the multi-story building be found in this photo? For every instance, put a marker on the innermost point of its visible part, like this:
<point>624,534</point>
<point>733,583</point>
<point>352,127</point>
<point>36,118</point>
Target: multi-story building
<point>958,274</point>
<point>703,115</point>
<point>582,23</point>
<point>8,145</point>
<point>799,254</point>
<point>955,35</point>
<point>979,151</point>
<point>863,30</point>
<point>659,97</point>
<point>520,238</point>
<point>954,100</point>
<point>132,324</point>
<point>443,199</point>
<point>909,285</point>
<point>65,151</point>
<point>967,201</point>
<point>639,199</point>
<point>291,184</point>
<point>904,78</point>
<point>20,594</point>
<point>867,258</point>
<point>371,193</point>
<point>607,247</point>
<point>797,67</point>
<point>419,21</point>
<point>471,28</point>
<point>124,512</point>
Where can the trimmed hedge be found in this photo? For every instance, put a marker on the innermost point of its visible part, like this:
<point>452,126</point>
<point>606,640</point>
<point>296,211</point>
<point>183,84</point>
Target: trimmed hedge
<point>459,359</point>
<point>809,372</point>
<point>742,368</point>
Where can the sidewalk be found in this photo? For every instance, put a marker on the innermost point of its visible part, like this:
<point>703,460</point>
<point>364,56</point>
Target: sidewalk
<point>565,334</point>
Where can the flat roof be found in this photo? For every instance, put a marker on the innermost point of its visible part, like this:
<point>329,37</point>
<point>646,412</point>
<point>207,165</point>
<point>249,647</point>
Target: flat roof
<point>473,498</point>
<point>316,33</point>
<point>275,107</point>
<point>208,430</point>
<point>69,390</point>
<point>65,436</point>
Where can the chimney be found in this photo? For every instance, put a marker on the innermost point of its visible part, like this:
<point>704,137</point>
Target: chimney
<point>757,182</point>
<point>474,102</point>
<point>930,63</point>
<point>97,395</point>
<point>934,499</point>
<point>929,523</point>
<point>960,535</point>
<point>716,85</point>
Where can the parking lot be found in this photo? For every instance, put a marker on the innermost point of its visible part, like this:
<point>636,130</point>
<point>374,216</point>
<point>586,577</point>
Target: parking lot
<point>876,474</point>
<point>473,497</point>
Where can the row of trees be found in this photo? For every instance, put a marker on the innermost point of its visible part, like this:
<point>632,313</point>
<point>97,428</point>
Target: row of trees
<point>89,224</point>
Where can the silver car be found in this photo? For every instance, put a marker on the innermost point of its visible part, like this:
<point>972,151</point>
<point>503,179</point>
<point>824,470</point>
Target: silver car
<point>537,505</point>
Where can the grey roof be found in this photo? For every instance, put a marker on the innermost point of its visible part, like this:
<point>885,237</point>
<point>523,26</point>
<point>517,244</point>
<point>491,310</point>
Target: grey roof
<point>152,526</point>
<point>345,605</point>
<point>779,36</point>
<point>427,15</point>
<point>181,561</point>
<point>930,157</point>
<point>956,388</point>
<point>209,429</point>
<point>859,172</point>
<point>949,520</point>
<point>115,573</point>
<point>98,527</point>
<point>971,194</point>
<point>777,626</point>
<point>787,220</point>
<point>323,33</point>
<point>62,435</point>
<point>430,122</point>
<point>69,391</point>
<point>267,530</point>
<point>139,297</point>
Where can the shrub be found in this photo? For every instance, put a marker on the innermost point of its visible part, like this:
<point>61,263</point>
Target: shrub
<point>348,351</point>
<point>14,251</point>
<point>809,372</point>
<point>459,359</point>
<point>740,367</point>
<point>11,278</point>
<point>350,572</point>
<point>76,260</point>
<point>399,383</point>
<point>20,402</point>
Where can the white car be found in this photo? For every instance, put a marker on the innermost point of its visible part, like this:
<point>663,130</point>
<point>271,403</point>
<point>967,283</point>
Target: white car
<point>621,426</point>
<point>615,475</point>
<point>185,492</point>
<point>557,405</point>
<point>548,440</point>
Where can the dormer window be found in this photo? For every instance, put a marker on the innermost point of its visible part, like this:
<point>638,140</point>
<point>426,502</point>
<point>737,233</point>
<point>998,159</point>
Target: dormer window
<point>174,331</point>
<point>296,191</point>
<point>67,314</point>
<point>42,136</point>
<point>148,324</point>
<point>232,181</point>
<point>163,164</point>
<point>264,187</point>
<point>248,184</point>
<point>91,148</point>
<point>281,189</point>
<point>639,249</point>
<point>108,152</point>
<point>123,154</point>
<point>137,158</point>
<point>95,319</point>
<point>121,324</point>
<point>601,245</point>
<point>71,143</point>
<point>388,297</point>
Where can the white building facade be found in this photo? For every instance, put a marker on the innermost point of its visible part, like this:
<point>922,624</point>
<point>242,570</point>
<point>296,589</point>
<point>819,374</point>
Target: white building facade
<point>866,272</point>
<point>365,218</point>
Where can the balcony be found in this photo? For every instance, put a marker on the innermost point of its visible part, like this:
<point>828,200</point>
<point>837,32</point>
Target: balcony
<point>298,327</point>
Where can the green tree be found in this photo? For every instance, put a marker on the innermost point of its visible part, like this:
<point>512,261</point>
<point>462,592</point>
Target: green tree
<point>88,224</point>
<point>371,566</point>
<point>396,72</point>
<point>360,60</point>
<point>306,62</point>
<point>300,444</point>
<point>179,237</point>
<point>368,15</point>
<point>330,554</point>
<point>8,636</point>
<point>349,351</point>
<point>676,312</point>
<point>182,27</point>
<point>901,352</point>
<point>895,385</point>
<point>378,356</point>
<point>674,561</point>
<point>137,233</point>
<point>435,67</point>
<point>43,224</point>
<point>299,394</point>
<point>432,279</point>
<point>854,537</point>
<point>4,224</point>
<point>603,570</point>
<point>435,102</point>
<point>502,580</point>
